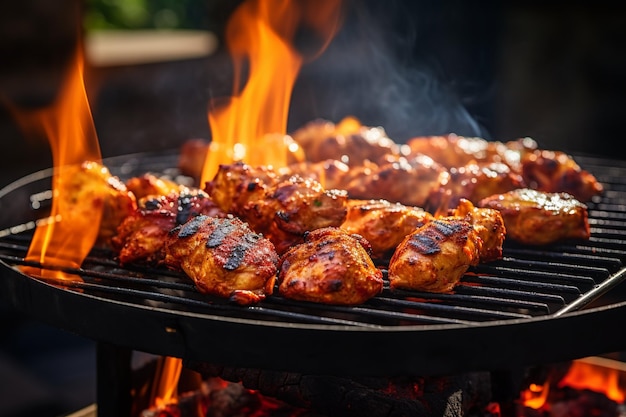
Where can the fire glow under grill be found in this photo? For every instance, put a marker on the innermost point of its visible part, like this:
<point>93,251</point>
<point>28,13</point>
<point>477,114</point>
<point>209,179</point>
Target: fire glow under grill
<point>538,291</point>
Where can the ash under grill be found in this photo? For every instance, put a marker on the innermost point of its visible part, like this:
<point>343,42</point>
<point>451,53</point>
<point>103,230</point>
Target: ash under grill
<point>504,308</point>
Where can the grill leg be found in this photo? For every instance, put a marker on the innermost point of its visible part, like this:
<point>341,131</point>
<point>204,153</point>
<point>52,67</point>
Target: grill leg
<point>113,383</point>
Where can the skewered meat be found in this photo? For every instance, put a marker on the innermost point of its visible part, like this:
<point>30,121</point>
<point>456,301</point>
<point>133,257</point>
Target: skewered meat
<point>489,225</point>
<point>538,218</point>
<point>383,224</point>
<point>141,235</point>
<point>223,257</point>
<point>435,256</point>
<point>281,208</point>
<point>330,266</point>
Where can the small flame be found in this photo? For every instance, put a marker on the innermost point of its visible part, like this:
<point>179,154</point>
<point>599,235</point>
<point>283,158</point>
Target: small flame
<point>594,375</point>
<point>536,395</point>
<point>66,240</point>
<point>251,126</point>
<point>165,392</point>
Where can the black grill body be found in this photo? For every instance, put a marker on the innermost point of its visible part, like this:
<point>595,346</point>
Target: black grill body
<point>535,305</point>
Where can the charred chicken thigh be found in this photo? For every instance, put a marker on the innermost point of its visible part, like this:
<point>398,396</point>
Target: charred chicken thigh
<point>489,225</point>
<point>223,257</point>
<point>281,207</point>
<point>538,218</point>
<point>435,256</point>
<point>330,266</point>
<point>383,224</point>
<point>141,235</point>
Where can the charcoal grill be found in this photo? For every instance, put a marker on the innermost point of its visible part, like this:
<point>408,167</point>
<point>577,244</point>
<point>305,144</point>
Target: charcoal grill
<point>535,305</point>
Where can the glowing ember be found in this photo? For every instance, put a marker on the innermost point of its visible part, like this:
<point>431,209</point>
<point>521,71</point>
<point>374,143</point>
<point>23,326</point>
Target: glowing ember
<point>251,126</point>
<point>77,206</point>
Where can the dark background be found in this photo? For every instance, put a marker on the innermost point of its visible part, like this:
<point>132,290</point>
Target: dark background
<point>554,72</point>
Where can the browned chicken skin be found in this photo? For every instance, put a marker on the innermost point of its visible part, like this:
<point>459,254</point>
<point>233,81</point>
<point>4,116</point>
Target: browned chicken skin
<point>435,256</point>
<point>224,258</point>
<point>538,218</point>
<point>151,185</point>
<point>331,267</point>
<point>555,172</point>
<point>141,235</point>
<point>92,180</point>
<point>488,224</point>
<point>383,224</point>
<point>282,208</point>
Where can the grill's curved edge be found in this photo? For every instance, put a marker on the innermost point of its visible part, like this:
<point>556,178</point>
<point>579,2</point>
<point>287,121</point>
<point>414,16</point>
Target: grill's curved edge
<point>320,349</point>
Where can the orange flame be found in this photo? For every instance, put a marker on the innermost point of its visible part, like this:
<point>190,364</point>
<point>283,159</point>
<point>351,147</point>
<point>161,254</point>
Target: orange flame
<point>66,239</point>
<point>166,391</point>
<point>595,374</point>
<point>251,126</point>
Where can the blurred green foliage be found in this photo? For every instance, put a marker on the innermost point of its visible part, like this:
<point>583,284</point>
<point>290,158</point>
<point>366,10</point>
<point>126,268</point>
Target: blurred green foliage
<point>146,14</point>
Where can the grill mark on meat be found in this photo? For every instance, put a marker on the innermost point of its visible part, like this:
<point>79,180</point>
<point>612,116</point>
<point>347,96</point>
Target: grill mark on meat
<point>427,243</point>
<point>239,252</point>
<point>190,228</point>
<point>184,209</point>
<point>223,228</point>
<point>152,204</point>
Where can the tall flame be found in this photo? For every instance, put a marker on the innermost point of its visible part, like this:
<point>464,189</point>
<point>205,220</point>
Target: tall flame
<point>251,126</point>
<point>65,240</point>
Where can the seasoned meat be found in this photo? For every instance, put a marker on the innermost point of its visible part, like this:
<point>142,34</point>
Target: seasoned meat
<point>472,182</point>
<point>223,257</point>
<point>141,235</point>
<point>348,141</point>
<point>489,225</point>
<point>234,185</point>
<point>383,224</point>
<point>409,181</point>
<point>435,256</point>
<point>151,185</point>
<point>331,267</point>
<point>539,218</point>
<point>92,184</point>
<point>280,207</point>
<point>556,172</point>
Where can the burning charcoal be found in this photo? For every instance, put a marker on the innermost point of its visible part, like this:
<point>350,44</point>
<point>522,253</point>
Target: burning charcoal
<point>359,396</point>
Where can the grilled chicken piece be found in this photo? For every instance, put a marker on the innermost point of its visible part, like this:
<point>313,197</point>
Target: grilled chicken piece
<point>556,172</point>
<point>408,181</point>
<point>330,173</point>
<point>92,184</point>
<point>383,224</point>
<point>151,185</point>
<point>472,182</point>
<point>434,257</point>
<point>489,225</point>
<point>348,141</point>
<point>141,235</point>
<point>331,267</point>
<point>223,257</point>
<point>280,207</point>
<point>538,218</point>
<point>453,151</point>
